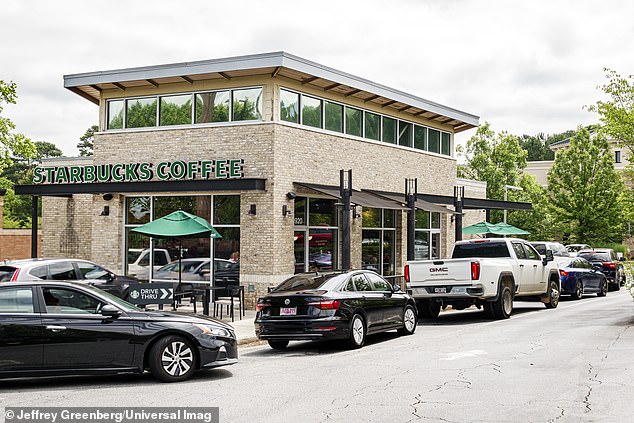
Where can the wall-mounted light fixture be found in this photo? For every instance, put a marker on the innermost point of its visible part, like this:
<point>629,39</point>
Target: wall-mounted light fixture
<point>105,211</point>
<point>291,195</point>
<point>252,210</point>
<point>355,215</point>
<point>107,197</point>
<point>285,211</point>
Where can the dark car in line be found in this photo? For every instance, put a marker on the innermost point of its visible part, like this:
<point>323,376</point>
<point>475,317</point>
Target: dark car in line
<point>578,276</point>
<point>333,305</point>
<point>63,328</point>
<point>64,269</point>
<point>605,261</point>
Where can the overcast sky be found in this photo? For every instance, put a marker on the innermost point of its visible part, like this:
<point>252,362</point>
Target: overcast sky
<point>523,66</point>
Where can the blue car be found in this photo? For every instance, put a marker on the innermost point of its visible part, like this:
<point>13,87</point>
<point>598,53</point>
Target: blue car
<point>579,277</point>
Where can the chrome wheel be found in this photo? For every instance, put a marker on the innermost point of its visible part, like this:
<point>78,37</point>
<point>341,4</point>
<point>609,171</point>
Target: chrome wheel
<point>507,302</point>
<point>177,358</point>
<point>409,319</point>
<point>358,331</point>
<point>553,295</point>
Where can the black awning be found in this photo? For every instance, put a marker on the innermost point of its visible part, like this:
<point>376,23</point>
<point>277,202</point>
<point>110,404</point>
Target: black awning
<point>149,186</point>
<point>361,198</point>
<point>420,204</point>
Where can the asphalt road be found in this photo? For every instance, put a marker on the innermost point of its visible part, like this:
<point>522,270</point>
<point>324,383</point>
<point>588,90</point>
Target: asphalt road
<point>571,364</point>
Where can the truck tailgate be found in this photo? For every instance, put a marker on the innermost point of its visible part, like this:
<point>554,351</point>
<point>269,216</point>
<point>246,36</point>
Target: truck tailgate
<point>430,272</point>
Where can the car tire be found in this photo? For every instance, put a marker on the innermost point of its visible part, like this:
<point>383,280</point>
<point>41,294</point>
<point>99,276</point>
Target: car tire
<point>603,288</point>
<point>357,332</point>
<point>172,359</point>
<point>503,306</point>
<point>410,321</point>
<point>578,292</point>
<point>428,309</point>
<point>553,294</point>
<point>278,344</point>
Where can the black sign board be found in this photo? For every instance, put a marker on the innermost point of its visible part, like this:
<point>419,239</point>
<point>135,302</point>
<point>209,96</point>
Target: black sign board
<point>151,293</point>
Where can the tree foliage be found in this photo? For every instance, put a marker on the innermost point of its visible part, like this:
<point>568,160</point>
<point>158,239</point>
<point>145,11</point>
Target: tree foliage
<point>586,193</point>
<point>86,141</point>
<point>497,159</point>
<point>617,113</point>
<point>10,141</point>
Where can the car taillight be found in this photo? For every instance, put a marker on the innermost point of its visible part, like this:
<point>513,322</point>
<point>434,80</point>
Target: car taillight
<point>15,275</point>
<point>406,272</point>
<point>563,273</point>
<point>609,264</point>
<point>261,306</point>
<point>326,304</point>
<point>475,270</point>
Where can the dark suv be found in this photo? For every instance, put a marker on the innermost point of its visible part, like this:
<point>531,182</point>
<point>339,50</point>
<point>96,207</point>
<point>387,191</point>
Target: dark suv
<point>66,270</point>
<point>605,260</point>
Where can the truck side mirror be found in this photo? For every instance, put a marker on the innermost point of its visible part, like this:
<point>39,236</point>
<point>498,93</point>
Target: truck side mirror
<point>549,257</point>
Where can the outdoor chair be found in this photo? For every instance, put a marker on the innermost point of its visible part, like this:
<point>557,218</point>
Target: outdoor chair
<point>234,299</point>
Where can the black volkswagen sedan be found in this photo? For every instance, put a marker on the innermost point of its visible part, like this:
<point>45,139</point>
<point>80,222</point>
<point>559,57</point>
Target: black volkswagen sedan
<point>62,328</point>
<point>334,305</point>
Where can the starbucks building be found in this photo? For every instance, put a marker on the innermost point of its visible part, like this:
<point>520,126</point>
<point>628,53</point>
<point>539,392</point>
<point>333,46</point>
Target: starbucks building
<point>298,166</point>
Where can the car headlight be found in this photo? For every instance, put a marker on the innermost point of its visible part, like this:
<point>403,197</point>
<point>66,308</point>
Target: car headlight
<point>213,330</point>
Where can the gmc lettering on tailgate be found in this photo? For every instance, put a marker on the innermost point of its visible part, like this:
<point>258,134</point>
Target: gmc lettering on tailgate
<point>438,269</point>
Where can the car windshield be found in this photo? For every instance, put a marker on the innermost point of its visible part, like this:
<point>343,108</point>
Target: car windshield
<point>305,281</point>
<point>575,248</point>
<point>566,263</point>
<point>481,249</point>
<point>596,256</point>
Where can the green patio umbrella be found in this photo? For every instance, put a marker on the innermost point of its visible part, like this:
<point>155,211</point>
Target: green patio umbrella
<point>179,225</point>
<point>494,228</point>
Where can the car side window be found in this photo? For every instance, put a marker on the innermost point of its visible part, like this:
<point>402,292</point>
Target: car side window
<point>378,282</point>
<point>69,301</point>
<point>92,271</point>
<point>159,258</point>
<point>40,272</point>
<point>62,271</point>
<point>519,250</point>
<point>16,300</point>
<point>361,282</point>
<point>350,286</point>
<point>531,253</point>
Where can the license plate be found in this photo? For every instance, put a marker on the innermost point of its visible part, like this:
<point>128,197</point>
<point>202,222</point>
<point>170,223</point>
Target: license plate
<point>288,311</point>
<point>440,290</point>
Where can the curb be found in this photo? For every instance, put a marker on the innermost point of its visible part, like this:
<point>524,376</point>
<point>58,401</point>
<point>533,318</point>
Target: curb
<point>248,341</point>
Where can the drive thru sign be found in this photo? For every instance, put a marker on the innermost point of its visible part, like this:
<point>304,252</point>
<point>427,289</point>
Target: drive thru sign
<point>151,293</point>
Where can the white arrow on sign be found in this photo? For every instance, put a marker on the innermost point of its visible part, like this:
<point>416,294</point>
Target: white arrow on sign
<point>166,293</point>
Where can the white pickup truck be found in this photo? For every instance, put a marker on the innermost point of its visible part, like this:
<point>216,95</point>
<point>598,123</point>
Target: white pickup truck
<point>489,273</point>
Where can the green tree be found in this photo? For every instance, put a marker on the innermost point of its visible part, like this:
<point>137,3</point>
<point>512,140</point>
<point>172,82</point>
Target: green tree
<point>86,141</point>
<point>617,113</point>
<point>11,142</point>
<point>587,195</point>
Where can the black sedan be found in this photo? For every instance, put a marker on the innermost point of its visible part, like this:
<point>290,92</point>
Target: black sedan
<point>333,305</point>
<point>62,328</point>
<point>606,262</point>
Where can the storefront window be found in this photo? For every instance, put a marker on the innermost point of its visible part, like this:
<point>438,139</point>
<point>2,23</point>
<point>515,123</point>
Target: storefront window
<point>420,137</point>
<point>115,114</point>
<point>433,140</point>
<point>300,211</point>
<point>311,111</point>
<point>176,110</point>
<point>446,144</point>
<point>316,245</point>
<point>289,106</point>
<point>427,236</point>
<point>334,117</point>
<point>389,130</point>
<point>247,104</point>
<point>226,210</point>
<point>141,113</point>
<point>354,122</point>
<point>159,260</point>
<point>372,126</point>
<point>377,245</point>
<point>212,107</point>
<point>404,134</point>
<point>322,212</point>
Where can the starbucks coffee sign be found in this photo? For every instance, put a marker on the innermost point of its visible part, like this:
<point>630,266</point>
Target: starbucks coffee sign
<point>137,172</point>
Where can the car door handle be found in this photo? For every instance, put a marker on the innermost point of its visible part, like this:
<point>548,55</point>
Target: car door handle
<point>55,328</point>
<point>521,265</point>
<point>535,266</point>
